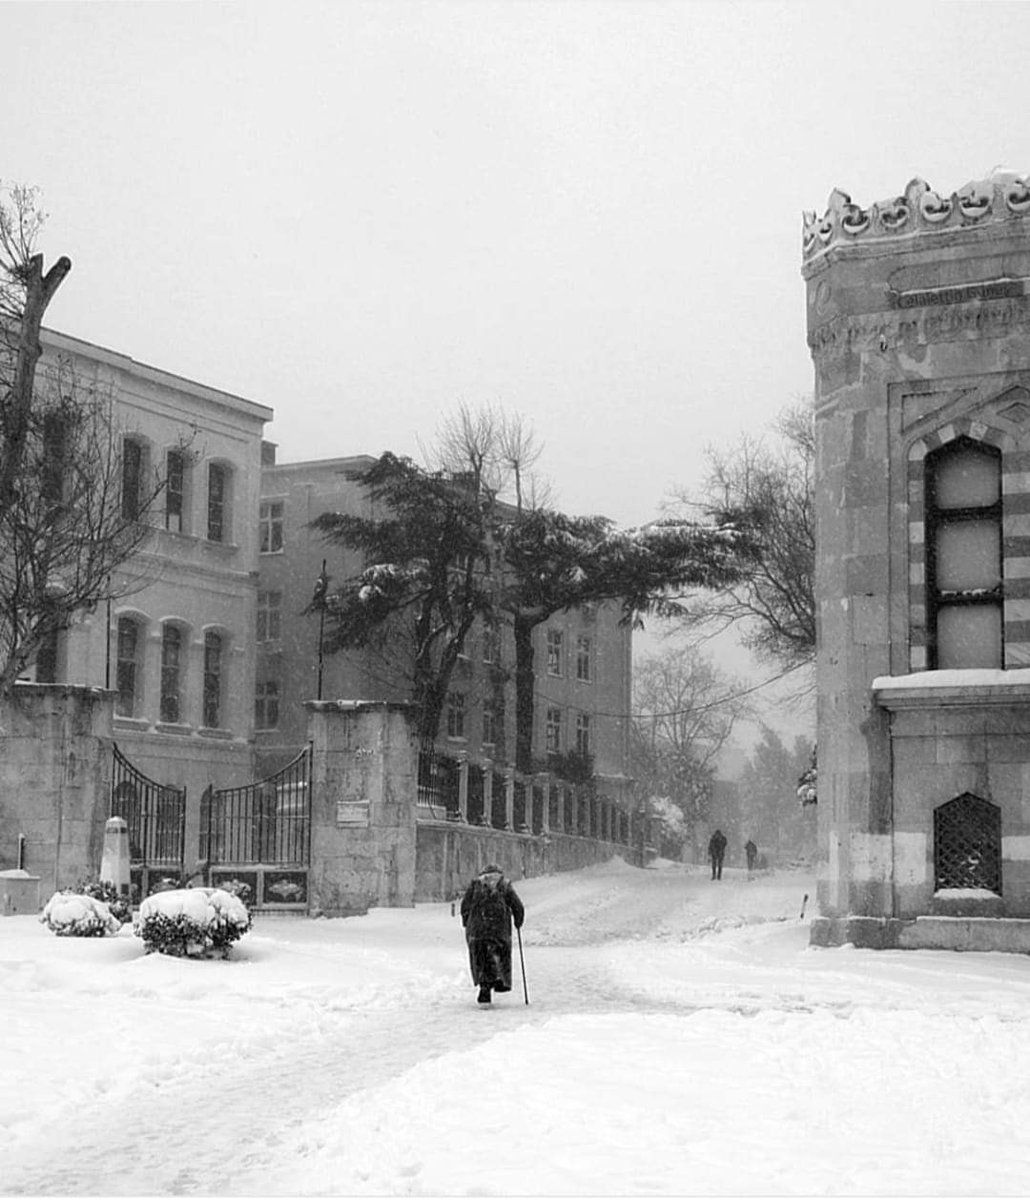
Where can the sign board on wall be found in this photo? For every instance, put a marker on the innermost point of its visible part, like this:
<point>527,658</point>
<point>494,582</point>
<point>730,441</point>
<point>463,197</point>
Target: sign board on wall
<point>352,812</point>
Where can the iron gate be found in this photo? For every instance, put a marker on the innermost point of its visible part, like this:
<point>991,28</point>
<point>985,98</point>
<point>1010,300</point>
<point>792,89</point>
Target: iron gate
<point>156,818</point>
<point>257,838</point>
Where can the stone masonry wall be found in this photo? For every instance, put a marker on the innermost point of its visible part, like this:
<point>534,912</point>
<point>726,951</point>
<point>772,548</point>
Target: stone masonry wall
<point>55,764</point>
<point>450,855</point>
<point>919,327</point>
<point>363,785</point>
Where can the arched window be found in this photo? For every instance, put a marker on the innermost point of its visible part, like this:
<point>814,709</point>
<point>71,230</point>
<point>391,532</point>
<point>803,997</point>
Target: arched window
<point>213,666</point>
<point>172,668</point>
<point>128,670</point>
<point>219,502</point>
<point>963,556</point>
<point>175,491</point>
<point>134,464</point>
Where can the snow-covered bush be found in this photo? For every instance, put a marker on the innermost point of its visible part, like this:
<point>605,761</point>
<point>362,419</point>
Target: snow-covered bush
<point>71,914</point>
<point>192,922</point>
<point>121,908</point>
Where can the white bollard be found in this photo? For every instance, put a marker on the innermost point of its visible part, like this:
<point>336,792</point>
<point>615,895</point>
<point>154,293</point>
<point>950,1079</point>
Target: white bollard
<point>114,866</point>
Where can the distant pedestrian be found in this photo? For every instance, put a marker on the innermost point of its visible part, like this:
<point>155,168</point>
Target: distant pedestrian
<point>716,852</point>
<point>489,906</point>
<point>751,850</point>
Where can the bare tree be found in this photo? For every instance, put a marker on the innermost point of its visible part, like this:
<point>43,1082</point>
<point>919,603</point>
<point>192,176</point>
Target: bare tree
<point>685,709</point>
<point>25,293</point>
<point>495,450</point>
<point>765,487</point>
<point>70,518</point>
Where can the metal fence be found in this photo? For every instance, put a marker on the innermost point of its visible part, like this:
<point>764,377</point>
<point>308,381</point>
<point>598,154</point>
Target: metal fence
<point>154,813</point>
<point>268,821</point>
<point>437,780</point>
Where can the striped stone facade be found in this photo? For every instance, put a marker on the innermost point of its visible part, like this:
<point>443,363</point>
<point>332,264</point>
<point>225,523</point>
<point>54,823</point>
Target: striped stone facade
<point>919,327</point>
<point>1015,485</point>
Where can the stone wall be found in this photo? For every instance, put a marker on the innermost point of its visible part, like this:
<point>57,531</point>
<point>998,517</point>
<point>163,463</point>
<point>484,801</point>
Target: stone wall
<point>918,323</point>
<point>449,855</point>
<point>968,739</point>
<point>363,794</point>
<point>55,780</point>
<point>373,845</point>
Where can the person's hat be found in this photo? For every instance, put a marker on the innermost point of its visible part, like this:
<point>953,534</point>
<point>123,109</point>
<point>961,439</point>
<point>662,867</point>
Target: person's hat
<point>491,869</point>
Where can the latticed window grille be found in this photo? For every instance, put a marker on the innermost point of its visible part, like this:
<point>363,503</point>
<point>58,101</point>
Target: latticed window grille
<point>967,844</point>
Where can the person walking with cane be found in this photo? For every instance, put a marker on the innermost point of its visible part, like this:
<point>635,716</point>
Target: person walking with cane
<point>488,908</point>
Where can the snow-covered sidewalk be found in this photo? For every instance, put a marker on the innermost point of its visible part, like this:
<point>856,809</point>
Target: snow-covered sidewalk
<point>682,1039</point>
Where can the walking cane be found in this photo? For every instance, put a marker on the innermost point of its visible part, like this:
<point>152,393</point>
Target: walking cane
<point>522,964</point>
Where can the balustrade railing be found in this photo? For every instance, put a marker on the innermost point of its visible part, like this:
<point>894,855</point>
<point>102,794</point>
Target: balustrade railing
<point>537,804</point>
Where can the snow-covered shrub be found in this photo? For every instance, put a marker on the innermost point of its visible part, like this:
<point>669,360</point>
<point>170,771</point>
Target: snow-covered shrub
<point>71,914</point>
<point>121,908</point>
<point>192,922</point>
<point>237,887</point>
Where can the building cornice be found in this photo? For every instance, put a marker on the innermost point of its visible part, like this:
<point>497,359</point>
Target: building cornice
<point>1000,200</point>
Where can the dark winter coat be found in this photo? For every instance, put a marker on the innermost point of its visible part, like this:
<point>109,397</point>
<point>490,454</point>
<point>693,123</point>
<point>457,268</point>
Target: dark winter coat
<point>717,846</point>
<point>487,911</point>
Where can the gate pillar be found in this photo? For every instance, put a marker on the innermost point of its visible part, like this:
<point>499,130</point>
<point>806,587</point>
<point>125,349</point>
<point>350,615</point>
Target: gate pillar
<point>364,785</point>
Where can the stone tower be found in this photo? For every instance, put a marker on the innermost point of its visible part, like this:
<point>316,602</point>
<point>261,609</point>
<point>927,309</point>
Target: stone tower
<point>919,326</point>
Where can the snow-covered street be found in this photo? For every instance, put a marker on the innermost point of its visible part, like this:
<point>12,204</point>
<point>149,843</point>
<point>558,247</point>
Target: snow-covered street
<point>681,1038</point>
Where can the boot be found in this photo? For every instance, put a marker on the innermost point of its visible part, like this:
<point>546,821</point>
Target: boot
<point>484,996</point>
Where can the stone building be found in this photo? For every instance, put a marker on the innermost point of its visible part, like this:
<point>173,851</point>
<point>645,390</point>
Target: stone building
<point>176,647</point>
<point>582,658</point>
<point>919,327</point>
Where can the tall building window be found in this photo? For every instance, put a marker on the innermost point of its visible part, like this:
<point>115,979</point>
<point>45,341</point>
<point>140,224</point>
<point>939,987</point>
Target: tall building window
<point>46,658</point>
<point>175,482</point>
<point>266,705</point>
<point>583,652</point>
<point>55,450</point>
<point>212,680</point>
<point>489,724</point>
<point>553,738</point>
<point>132,478</point>
<point>554,652</point>
<point>456,715</point>
<point>963,556</point>
<point>270,521</point>
<point>171,674</point>
<point>269,614</point>
<point>217,502</point>
<point>582,733</point>
<point>491,642</point>
<point>127,668</point>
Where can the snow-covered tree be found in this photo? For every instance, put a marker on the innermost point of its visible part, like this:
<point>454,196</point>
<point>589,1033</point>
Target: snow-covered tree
<point>556,563</point>
<point>422,582</point>
<point>808,783</point>
<point>668,825</point>
<point>768,796</point>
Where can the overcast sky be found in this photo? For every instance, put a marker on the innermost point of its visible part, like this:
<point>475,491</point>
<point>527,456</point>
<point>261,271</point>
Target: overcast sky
<point>589,213</point>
